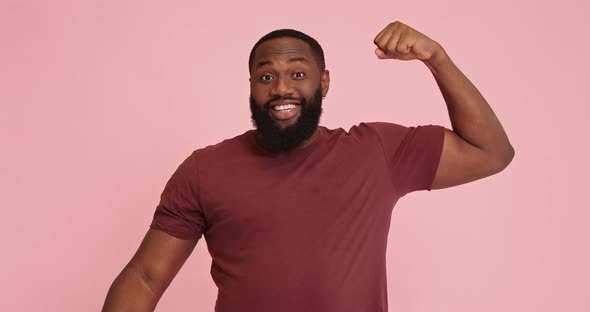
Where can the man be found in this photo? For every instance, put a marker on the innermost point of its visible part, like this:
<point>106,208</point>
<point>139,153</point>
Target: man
<point>296,216</point>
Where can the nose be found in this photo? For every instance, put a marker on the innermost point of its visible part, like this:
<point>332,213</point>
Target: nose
<point>282,87</point>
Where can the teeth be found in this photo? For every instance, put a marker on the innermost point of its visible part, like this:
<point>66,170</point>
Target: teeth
<point>284,107</point>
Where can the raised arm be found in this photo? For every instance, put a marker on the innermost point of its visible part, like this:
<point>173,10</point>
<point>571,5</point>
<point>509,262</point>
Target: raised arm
<point>478,145</point>
<point>143,281</point>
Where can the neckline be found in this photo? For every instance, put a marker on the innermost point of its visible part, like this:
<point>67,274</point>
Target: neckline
<point>301,151</point>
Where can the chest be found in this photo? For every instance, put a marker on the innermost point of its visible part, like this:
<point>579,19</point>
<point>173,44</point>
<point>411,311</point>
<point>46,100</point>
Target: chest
<point>281,196</point>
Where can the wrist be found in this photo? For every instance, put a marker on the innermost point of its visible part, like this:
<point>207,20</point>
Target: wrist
<point>438,59</point>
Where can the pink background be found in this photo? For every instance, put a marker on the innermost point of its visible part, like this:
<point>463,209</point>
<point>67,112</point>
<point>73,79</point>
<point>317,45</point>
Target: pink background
<point>101,100</point>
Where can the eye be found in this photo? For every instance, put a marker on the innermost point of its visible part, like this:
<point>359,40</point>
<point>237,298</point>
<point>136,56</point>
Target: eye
<point>299,75</point>
<point>266,77</point>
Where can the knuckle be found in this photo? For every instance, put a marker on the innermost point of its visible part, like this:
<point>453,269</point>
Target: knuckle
<point>391,48</point>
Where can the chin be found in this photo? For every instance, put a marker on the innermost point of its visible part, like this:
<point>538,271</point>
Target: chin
<point>286,123</point>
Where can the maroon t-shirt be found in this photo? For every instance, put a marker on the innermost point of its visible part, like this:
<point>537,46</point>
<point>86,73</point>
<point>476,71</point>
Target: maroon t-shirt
<point>304,230</point>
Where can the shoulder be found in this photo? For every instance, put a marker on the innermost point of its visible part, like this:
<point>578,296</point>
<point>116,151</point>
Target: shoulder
<point>369,131</point>
<point>391,131</point>
<point>389,136</point>
<point>378,127</point>
<point>365,135</point>
<point>235,146</point>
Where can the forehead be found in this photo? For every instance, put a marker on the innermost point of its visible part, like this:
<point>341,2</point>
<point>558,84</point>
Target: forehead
<point>282,48</point>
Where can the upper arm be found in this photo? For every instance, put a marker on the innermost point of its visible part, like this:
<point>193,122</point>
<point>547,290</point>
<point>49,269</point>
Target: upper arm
<point>462,162</point>
<point>159,258</point>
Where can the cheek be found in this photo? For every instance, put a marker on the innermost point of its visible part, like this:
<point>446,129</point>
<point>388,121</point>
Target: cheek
<point>259,94</point>
<point>311,88</point>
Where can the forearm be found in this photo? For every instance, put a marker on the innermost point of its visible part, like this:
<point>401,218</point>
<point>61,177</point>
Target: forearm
<point>130,292</point>
<point>151,270</point>
<point>471,116</point>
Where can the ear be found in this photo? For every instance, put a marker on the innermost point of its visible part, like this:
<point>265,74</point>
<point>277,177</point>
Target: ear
<point>325,79</point>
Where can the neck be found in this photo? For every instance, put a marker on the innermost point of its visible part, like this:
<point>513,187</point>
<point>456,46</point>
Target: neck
<point>305,143</point>
<point>313,137</point>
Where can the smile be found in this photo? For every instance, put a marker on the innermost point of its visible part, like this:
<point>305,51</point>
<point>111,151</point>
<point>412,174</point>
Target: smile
<point>284,107</point>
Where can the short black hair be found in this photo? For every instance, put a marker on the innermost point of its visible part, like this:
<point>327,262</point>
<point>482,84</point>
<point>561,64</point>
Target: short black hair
<point>316,49</point>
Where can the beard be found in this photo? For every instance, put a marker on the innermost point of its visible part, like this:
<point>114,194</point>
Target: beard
<point>285,139</point>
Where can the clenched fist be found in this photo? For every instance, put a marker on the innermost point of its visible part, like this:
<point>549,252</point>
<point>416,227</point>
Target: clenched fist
<point>402,42</point>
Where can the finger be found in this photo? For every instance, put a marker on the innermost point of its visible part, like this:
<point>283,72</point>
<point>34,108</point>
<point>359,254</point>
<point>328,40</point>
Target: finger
<point>381,54</point>
<point>382,43</point>
<point>391,45</point>
<point>383,32</point>
<point>379,35</point>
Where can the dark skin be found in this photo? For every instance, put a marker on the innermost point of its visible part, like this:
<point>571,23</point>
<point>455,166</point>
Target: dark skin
<point>286,68</point>
<point>143,281</point>
<point>476,147</point>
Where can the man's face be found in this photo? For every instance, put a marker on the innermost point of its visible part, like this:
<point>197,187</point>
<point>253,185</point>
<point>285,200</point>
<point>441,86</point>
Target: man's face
<point>286,89</point>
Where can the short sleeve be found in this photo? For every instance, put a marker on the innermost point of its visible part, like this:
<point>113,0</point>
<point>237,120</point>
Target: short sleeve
<point>412,154</point>
<point>179,212</point>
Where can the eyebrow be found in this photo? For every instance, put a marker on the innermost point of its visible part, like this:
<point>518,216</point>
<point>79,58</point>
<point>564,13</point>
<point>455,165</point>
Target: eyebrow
<point>291,60</point>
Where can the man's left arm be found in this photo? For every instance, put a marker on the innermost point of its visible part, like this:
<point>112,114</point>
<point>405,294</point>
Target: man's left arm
<point>477,146</point>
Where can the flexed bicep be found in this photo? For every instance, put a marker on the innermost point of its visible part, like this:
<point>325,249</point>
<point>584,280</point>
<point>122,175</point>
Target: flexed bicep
<point>462,162</point>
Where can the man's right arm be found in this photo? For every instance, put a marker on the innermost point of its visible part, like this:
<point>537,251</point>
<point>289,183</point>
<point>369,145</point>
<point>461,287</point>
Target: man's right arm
<point>153,267</point>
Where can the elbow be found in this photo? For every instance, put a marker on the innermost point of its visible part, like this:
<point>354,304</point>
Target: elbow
<point>508,155</point>
<point>503,159</point>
